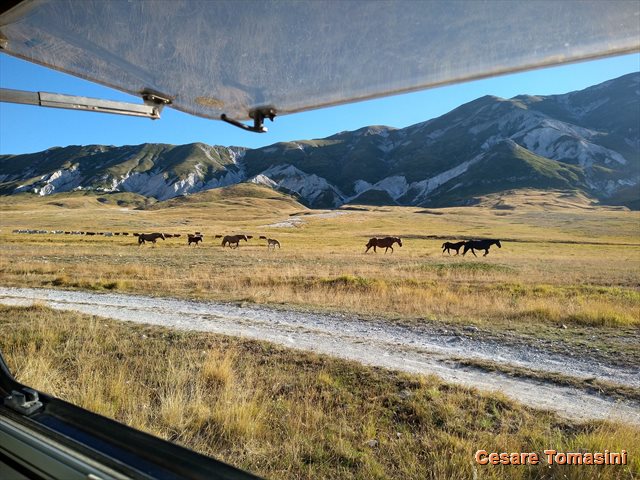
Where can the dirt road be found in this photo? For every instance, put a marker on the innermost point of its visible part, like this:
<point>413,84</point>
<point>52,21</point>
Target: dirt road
<point>425,350</point>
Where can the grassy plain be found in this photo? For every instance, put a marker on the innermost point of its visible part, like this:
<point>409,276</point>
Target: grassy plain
<point>563,261</point>
<point>291,415</point>
<point>287,414</point>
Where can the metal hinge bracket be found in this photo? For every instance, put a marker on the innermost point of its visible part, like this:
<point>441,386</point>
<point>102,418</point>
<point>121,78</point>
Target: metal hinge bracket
<point>156,100</point>
<point>258,115</point>
<point>25,401</point>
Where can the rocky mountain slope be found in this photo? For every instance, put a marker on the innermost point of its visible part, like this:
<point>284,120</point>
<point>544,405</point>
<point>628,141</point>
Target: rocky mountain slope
<point>587,140</point>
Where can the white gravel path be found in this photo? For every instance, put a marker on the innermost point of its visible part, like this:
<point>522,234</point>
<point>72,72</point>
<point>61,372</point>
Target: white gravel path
<point>416,350</point>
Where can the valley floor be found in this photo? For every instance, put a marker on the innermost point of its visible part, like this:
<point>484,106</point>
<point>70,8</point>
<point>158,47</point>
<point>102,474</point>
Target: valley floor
<point>551,319</point>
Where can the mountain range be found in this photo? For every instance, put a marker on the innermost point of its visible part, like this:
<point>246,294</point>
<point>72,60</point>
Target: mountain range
<point>586,141</point>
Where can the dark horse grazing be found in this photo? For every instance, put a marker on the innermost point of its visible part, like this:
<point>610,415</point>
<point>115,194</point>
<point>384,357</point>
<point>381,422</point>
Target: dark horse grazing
<point>149,237</point>
<point>453,246</point>
<point>480,245</point>
<point>386,243</point>
<point>194,239</point>
<point>233,240</point>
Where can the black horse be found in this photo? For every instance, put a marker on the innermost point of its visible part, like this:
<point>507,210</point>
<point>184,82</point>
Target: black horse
<point>453,246</point>
<point>479,245</point>
<point>149,237</point>
<point>194,239</point>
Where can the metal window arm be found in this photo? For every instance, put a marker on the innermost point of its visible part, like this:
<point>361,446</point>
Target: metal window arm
<point>259,115</point>
<point>151,108</point>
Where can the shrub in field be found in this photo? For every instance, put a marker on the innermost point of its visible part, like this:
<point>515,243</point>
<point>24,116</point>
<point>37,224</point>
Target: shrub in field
<point>352,282</point>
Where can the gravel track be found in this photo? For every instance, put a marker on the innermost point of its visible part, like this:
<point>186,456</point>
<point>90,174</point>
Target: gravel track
<point>422,349</point>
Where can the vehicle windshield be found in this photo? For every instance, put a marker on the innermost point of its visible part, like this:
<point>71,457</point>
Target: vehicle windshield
<point>438,284</point>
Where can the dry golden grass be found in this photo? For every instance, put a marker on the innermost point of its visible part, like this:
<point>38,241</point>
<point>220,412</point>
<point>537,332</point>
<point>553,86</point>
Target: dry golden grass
<point>575,264</point>
<point>572,264</point>
<point>285,414</point>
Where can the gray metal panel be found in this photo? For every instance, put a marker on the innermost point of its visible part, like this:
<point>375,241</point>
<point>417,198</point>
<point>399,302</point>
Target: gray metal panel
<point>57,100</point>
<point>41,455</point>
<point>9,473</point>
<point>226,56</point>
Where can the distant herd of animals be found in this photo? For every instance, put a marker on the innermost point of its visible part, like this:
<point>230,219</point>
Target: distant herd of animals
<point>233,241</point>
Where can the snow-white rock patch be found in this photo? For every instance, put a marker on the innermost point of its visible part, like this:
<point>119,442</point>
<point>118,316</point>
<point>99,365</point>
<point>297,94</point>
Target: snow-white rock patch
<point>261,179</point>
<point>308,186</point>
<point>428,185</point>
<point>395,186</point>
<point>360,186</point>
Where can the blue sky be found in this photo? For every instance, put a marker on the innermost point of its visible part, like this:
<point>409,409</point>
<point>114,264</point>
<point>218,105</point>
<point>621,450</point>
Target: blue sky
<point>25,128</point>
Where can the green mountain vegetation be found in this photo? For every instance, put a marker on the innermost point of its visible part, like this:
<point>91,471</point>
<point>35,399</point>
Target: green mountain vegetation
<point>587,141</point>
<point>526,170</point>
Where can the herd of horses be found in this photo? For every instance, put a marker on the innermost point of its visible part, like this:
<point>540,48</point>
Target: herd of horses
<point>473,245</point>
<point>232,241</point>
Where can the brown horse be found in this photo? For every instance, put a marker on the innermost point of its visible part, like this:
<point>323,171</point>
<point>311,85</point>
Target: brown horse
<point>453,246</point>
<point>272,243</point>
<point>233,240</point>
<point>386,243</point>
<point>149,237</point>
